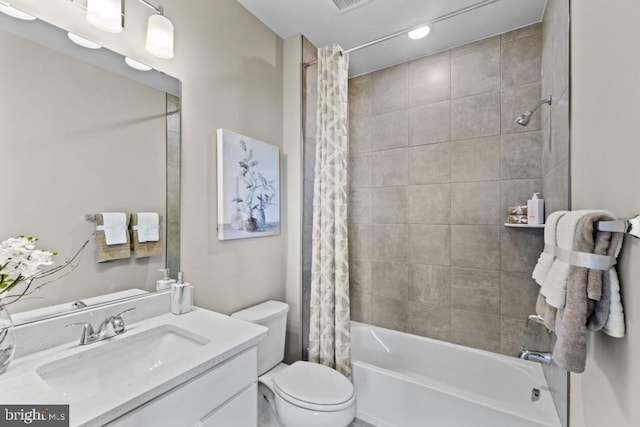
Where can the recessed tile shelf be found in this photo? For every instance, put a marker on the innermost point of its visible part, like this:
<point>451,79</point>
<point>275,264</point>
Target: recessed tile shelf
<point>506,224</point>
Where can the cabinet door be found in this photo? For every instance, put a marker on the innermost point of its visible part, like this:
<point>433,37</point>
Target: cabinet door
<point>189,403</point>
<point>241,411</point>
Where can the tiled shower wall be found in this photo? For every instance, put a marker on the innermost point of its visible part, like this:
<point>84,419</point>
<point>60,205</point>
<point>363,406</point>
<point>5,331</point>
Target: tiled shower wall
<point>435,160</point>
<point>555,150</point>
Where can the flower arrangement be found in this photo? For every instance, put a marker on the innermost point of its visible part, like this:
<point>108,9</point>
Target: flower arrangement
<point>21,262</point>
<point>255,182</point>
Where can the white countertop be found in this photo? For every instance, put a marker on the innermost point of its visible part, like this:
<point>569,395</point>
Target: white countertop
<point>227,337</point>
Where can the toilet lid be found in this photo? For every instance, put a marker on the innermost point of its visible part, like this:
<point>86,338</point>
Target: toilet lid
<point>314,384</point>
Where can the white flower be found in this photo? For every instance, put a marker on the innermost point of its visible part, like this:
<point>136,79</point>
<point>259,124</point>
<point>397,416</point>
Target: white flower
<point>20,260</point>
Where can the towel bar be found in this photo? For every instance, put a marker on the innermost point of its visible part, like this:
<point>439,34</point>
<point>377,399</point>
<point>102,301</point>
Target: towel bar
<point>630,226</point>
<point>92,217</point>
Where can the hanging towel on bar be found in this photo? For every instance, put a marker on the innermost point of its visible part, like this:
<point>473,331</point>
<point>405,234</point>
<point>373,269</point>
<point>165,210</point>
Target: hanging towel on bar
<point>109,252</point>
<point>141,238</point>
<point>586,288</point>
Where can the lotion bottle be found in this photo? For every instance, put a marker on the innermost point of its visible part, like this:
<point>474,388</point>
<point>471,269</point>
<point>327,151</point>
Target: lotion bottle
<point>535,209</point>
<point>165,282</point>
<point>181,296</point>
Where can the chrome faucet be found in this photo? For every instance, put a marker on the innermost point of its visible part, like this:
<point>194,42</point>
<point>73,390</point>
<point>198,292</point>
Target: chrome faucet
<point>536,356</point>
<point>110,327</point>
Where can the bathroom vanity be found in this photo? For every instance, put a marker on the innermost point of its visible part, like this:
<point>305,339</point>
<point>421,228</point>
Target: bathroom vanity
<point>198,368</point>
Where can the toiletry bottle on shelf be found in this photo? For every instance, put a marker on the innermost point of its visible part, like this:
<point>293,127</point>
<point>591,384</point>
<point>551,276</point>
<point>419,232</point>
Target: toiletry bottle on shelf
<point>165,282</point>
<point>181,296</point>
<point>535,209</point>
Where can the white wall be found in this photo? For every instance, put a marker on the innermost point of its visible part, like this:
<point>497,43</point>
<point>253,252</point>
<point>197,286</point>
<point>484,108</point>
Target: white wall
<point>230,66</point>
<point>605,174</point>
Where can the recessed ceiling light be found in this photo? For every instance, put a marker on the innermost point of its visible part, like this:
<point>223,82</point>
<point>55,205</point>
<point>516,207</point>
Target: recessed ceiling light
<point>419,33</point>
<point>81,41</point>
<point>12,11</point>
<point>137,65</point>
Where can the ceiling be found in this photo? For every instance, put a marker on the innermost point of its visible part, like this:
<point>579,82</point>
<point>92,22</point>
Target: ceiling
<point>322,23</point>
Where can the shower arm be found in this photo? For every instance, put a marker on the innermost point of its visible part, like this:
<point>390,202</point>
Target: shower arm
<point>547,100</point>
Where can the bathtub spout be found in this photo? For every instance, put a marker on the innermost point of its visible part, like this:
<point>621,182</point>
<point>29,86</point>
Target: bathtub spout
<point>536,356</point>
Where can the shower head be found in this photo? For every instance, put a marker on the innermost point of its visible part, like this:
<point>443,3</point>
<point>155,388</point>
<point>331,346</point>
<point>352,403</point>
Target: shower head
<point>524,118</point>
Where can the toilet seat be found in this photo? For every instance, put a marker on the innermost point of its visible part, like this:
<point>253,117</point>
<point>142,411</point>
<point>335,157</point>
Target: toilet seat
<point>314,387</point>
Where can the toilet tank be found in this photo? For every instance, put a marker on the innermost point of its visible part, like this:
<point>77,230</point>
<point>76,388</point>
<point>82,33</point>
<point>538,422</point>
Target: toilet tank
<point>273,315</point>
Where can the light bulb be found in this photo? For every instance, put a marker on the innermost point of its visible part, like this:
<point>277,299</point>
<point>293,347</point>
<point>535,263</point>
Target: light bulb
<point>81,41</point>
<point>136,64</point>
<point>160,37</point>
<point>105,15</point>
<point>419,33</point>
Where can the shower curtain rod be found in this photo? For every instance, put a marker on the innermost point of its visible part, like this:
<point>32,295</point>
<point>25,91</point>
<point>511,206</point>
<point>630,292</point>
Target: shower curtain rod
<point>441,18</point>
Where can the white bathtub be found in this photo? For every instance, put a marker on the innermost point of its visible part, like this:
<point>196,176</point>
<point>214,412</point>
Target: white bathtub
<point>405,380</point>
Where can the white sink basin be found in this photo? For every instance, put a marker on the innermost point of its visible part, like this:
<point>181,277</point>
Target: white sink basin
<point>118,362</point>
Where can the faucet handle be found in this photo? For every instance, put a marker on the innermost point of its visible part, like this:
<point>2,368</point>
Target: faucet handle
<point>535,318</point>
<point>87,332</point>
<point>123,312</point>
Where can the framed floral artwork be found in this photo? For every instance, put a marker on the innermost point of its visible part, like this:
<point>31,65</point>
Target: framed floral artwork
<point>248,187</point>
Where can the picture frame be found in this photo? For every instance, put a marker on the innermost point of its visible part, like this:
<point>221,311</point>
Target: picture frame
<point>248,187</point>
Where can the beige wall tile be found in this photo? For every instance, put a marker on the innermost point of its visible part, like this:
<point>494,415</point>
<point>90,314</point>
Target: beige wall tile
<point>429,321</point>
<point>389,242</point>
<point>389,168</point>
<point>430,244</point>
<point>519,295</point>
<point>475,290</point>
<point>521,61</point>
<point>429,204</point>
<point>359,206</point>
<point>389,205</point>
<point>390,279</point>
<point>390,89</point>
<point>390,313</point>
<point>556,189</point>
<point>430,164</point>
<point>475,116</point>
<point>360,276</point>
<point>360,96</point>
<point>430,79</point>
<point>361,307</point>
<point>430,124</point>
<point>475,160</point>
<point>475,68</point>
<point>430,284</point>
<point>476,330</point>
<point>360,135</point>
<point>476,203</point>
<point>390,130</point>
<point>360,171</point>
<point>521,249</point>
<point>474,246</point>
<point>359,241</point>
<point>522,155</point>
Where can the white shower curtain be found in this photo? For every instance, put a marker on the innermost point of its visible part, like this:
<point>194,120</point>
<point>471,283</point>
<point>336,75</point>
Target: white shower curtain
<point>329,333</point>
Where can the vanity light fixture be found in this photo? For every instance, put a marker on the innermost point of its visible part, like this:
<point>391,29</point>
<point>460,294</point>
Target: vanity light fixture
<point>136,64</point>
<point>108,15</point>
<point>15,13</point>
<point>81,41</point>
<point>419,33</point>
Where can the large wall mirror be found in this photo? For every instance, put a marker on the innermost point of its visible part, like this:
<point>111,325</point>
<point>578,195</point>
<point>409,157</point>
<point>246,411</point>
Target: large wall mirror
<point>84,133</point>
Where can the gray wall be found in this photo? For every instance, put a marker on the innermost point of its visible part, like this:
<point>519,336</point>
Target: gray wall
<point>555,147</point>
<point>309,109</point>
<point>436,158</point>
<point>605,88</point>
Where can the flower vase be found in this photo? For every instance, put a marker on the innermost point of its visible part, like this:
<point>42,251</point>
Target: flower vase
<point>262,222</point>
<point>7,339</point>
<point>251,224</point>
<point>236,220</point>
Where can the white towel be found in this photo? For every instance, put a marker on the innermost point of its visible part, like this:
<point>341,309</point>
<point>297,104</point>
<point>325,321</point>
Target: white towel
<point>545,261</point>
<point>615,322</point>
<point>114,227</point>
<point>148,227</point>
<point>554,286</point>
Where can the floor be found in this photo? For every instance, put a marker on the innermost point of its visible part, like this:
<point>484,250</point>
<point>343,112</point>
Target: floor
<point>360,423</point>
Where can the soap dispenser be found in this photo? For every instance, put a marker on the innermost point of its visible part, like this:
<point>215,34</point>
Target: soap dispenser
<point>181,296</point>
<point>535,209</point>
<point>165,282</point>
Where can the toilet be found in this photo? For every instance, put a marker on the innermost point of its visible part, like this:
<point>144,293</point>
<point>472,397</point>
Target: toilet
<point>303,394</point>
